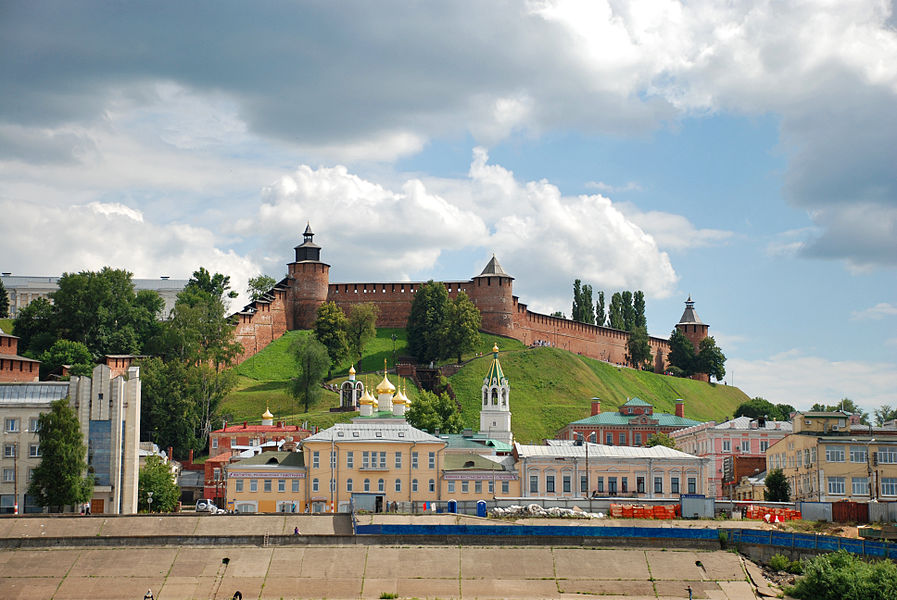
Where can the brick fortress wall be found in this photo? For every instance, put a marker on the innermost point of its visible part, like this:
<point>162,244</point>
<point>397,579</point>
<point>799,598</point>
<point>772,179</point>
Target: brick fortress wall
<point>292,304</point>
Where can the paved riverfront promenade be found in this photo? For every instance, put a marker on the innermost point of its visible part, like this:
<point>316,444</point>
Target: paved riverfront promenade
<point>68,569</point>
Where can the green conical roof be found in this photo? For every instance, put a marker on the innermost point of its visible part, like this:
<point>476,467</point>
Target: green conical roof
<point>495,376</point>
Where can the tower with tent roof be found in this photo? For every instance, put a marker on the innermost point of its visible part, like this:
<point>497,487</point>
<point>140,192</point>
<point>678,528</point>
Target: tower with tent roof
<point>495,406</point>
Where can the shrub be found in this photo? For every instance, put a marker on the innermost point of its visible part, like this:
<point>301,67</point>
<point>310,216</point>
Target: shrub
<point>388,595</point>
<point>842,576</point>
<point>779,562</point>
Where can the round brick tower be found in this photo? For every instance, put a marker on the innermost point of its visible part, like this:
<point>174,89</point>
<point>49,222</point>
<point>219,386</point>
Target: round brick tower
<point>492,293</point>
<point>691,325</point>
<point>309,279</point>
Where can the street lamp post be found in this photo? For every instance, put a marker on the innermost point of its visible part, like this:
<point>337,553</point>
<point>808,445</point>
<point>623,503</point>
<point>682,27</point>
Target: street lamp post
<point>394,337</point>
<point>149,502</point>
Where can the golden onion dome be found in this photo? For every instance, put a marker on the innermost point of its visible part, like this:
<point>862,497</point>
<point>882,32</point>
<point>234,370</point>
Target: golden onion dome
<point>495,348</point>
<point>267,414</point>
<point>352,370</point>
<point>366,398</point>
<point>385,386</point>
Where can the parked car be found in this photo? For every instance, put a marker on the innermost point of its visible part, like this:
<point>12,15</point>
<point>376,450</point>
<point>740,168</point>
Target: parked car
<point>209,507</point>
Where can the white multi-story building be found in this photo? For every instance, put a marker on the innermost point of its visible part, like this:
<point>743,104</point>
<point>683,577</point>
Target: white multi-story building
<point>739,437</point>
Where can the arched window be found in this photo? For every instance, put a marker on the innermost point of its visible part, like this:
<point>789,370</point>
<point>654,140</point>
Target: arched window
<point>432,486</point>
<point>367,485</point>
<point>398,485</point>
<point>381,485</point>
<point>314,484</point>
<point>348,485</point>
<point>494,396</point>
<point>414,485</point>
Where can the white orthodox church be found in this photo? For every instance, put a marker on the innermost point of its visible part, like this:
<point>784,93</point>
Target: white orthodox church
<point>495,408</point>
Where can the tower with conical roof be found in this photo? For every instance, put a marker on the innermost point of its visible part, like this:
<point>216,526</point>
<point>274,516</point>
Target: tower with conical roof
<point>495,408</point>
<point>309,279</point>
<point>492,293</point>
<point>691,325</point>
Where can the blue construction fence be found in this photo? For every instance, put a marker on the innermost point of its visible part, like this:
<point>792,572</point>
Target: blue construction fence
<point>809,541</point>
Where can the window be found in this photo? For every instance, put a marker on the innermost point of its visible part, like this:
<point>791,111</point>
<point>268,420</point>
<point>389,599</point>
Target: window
<point>599,485</point>
<point>367,485</point>
<point>332,459</point>
<point>889,486</point>
<point>505,487</point>
<point>267,485</point>
<point>349,485</point>
<point>834,454</point>
<point>549,484</point>
<point>12,425</point>
<point>674,485</point>
<point>584,484</point>
<point>622,439</point>
<point>432,485</point>
<point>398,485</point>
<point>451,487</point>
<point>295,486</point>
<point>315,459</point>
<point>414,460</point>
<point>398,460</point>
<point>638,439</point>
<point>9,450</point>
<point>692,485</point>
<point>9,475</point>
<point>216,474</point>
<point>857,454</point>
<point>727,445</point>
<point>214,442</point>
<point>611,485</point>
<point>383,459</point>
<point>836,485</point>
<point>478,487</point>
<point>860,486</point>
<point>33,424</point>
<point>764,444</point>
<point>381,485</point>
<point>431,460</point>
<point>314,485</point>
<point>365,459</point>
<point>34,450</point>
<point>414,485</point>
<point>624,484</point>
<point>333,485</point>
<point>887,456</point>
<point>465,487</point>
<point>253,485</point>
<point>350,459</point>
<point>533,484</point>
<point>658,485</point>
<point>567,483</point>
<point>492,487</point>
<point>640,485</point>
<point>281,485</point>
<point>238,485</point>
<point>609,439</point>
<point>745,445</point>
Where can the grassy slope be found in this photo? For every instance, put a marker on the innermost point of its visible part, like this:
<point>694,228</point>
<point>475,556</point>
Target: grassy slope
<point>6,326</point>
<point>549,387</point>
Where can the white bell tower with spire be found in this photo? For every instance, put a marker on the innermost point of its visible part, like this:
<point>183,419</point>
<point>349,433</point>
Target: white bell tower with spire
<point>495,408</point>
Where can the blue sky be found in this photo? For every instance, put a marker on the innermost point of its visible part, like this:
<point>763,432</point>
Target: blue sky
<point>742,153</point>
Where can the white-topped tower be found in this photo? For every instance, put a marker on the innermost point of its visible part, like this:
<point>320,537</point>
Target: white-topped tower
<point>385,391</point>
<point>495,409</point>
<point>267,418</point>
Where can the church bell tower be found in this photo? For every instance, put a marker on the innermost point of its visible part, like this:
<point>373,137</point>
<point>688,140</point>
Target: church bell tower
<point>495,409</point>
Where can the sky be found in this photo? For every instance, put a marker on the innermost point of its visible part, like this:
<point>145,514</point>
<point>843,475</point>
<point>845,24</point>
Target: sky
<point>743,153</point>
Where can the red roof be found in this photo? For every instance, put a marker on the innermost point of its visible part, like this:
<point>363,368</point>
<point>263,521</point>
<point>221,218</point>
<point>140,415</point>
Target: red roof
<point>260,429</point>
<point>223,457</point>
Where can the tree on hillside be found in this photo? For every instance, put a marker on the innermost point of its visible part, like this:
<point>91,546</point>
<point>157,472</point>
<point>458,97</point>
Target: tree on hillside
<point>431,413</point>
<point>638,305</point>
<point>847,405</point>
<point>425,322</point>
<point>756,408</point>
<point>588,306</point>
<point>65,352</point>
<point>59,478</point>
<point>576,311</point>
<point>628,310</point>
<point>203,282</point>
<point>682,354</point>
<point>313,362</point>
<point>710,359</point>
<point>884,413</point>
<point>156,477</point>
<point>259,285</point>
<point>330,329</point>
<point>361,328</point>
<point>600,317</point>
<point>461,328</point>
<point>615,312</point>
<point>169,411</point>
<point>660,439</point>
<point>777,487</point>
<point>4,301</point>
<point>638,348</point>
<point>34,327</point>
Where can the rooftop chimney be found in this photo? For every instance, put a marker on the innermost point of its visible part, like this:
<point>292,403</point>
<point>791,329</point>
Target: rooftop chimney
<point>596,406</point>
<point>680,408</point>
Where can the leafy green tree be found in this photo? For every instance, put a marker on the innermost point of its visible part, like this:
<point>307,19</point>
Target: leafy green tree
<point>259,285</point>
<point>576,311</point>
<point>660,439</point>
<point>777,487</point>
<point>758,407</point>
<point>313,361</point>
<point>638,305</point>
<point>65,352</point>
<point>628,310</point>
<point>785,411</point>
<point>844,576</point>
<point>682,353</point>
<point>615,312</point>
<point>204,282</point>
<point>425,321</point>
<point>431,412</point>
<point>600,317</point>
<point>59,478</point>
<point>884,413</point>
<point>4,302</point>
<point>361,328</point>
<point>169,412</point>
<point>638,348</point>
<point>34,327</point>
<point>558,314</point>
<point>461,327</point>
<point>847,405</point>
<point>330,329</point>
<point>588,307</point>
<point>710,359</point>
<point>156,477</point>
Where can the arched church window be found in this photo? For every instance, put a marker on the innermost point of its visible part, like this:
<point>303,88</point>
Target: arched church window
<point>494,397</point>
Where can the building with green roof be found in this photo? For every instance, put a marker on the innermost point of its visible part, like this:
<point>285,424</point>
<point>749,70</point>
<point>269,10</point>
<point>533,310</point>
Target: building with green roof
<point>630,425</point>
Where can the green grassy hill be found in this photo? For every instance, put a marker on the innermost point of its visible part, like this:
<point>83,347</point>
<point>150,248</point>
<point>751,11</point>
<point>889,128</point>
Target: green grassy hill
<point>6,326</point>
<point>549,387</point>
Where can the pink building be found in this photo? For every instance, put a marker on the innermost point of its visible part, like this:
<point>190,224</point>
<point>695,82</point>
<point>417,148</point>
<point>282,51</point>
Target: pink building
<point>741,436</point>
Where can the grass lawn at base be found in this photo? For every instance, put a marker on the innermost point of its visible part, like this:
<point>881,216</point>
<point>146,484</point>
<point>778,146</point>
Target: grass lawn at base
<point>6,326</point>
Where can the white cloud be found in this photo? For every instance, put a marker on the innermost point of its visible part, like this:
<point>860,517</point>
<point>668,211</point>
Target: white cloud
<point>800,380</point>
<point>879,311</point>
<point>671,231</point>
<point>631,186</point>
